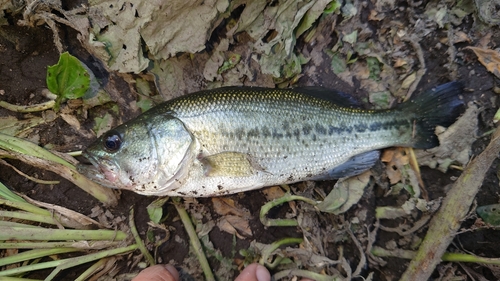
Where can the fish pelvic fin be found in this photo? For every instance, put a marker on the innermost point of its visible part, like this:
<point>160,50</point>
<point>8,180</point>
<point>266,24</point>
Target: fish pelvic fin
<point>440,105</point>
<point>229,164</point>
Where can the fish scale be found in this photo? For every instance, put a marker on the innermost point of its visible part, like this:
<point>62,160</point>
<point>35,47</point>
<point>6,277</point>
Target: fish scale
<point>228,140</point>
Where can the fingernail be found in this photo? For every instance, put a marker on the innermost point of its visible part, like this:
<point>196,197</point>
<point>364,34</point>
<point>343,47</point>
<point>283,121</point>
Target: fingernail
<point>170,268</point>
<point>262,273</point>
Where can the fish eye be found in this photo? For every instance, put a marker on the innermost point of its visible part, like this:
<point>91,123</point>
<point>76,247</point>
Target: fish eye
<point>112,141</point>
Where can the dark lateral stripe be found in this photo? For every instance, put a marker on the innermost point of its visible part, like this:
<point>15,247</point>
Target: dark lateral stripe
<point>318,129</point>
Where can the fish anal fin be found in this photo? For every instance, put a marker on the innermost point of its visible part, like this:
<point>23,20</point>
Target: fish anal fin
<point>354,166</point>
<point>229,164</point>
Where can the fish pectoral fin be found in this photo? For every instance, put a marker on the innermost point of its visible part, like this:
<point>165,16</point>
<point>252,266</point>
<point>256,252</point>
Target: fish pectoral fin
<point>354,166</point>
<point>230,164</point>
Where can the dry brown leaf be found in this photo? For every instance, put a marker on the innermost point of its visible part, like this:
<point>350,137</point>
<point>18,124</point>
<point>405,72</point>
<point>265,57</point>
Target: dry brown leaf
<point>273,192</point>
<point>235,225</point>
<point>227,206</point>
<point>460,36</point>
<point>395,158</point>
<point>489,58</point>
<point>400,62</point>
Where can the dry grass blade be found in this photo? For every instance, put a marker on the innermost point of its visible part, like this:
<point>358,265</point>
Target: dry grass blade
<point>60,167</point>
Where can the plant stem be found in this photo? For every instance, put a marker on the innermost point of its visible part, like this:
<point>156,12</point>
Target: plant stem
<point>452,257</point>
<point>304,273</point>
<point>42,234</point>
<point>67,263</point>
<point>86,245</point>
<point>34,254</point>
<point>9,195</point>
<point>25,206</point>
<point>275,245</point>
<point>28,108</point>
<point>98,266</point>
<point>28,216</point>
<point>17,279</point>
<point>138,240</point>
<point>276,202</point>
<point>195,242</point>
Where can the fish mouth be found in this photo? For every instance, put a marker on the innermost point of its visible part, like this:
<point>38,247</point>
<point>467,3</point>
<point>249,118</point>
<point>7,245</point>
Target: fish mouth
<point>97,170</point>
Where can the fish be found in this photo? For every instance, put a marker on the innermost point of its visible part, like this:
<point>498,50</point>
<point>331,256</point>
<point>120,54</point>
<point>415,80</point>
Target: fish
<point>235,139</point>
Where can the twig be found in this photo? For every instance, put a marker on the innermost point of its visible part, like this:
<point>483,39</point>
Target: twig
<point>362,259</point>
<point>418,225</point>
<point>27,176</point>
<point>420,73</point>
<point>372,236</point>
<point>452,54</point>
<point>447,220</point>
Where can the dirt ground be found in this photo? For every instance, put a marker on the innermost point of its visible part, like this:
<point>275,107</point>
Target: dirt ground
<point>26,52</point>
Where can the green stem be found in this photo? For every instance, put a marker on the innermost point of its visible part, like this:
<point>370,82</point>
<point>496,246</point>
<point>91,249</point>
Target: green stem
<point>67,263</point>
<point>276,202</point>
<point>193,239</point>
<point>18,224</point>
<point>34,254</point>
<point>17,279</point>
<point>304,273</point>
<point>94,268</point>
<point>28,108</point>
<point>25,206</point>
<point>9,195</point>
<point>42,234</point>
<point>10,143</point>
<point>459,257</point>
<point>28,217</point>
<point>87,245</point>
<point>450,257</point>
<point>275,245</point>
<point>138,239</point>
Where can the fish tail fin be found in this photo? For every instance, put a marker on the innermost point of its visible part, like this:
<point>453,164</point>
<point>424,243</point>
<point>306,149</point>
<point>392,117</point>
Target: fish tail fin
<point>440,105</point>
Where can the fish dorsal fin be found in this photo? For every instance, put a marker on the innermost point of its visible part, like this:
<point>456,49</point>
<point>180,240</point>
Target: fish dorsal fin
<point>334,96</point>
<point>354,166</point>
<point>229,164</point>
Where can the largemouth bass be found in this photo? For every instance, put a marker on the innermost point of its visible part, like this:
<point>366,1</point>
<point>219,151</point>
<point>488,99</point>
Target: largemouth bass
<point>235,139</point>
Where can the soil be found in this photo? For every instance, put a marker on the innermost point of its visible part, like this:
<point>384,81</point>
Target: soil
<point>27,52</point>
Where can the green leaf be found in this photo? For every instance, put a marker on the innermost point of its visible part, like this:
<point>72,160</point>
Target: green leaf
<point>333,7</point>
<point>233,60</point>
<point>103,124</point>
<point>9,195</point>
<point>351,38</point>
<point>380,99</point>
<point>346,193</point>
<point>374,68</point>
<point>155,209</point>
<point>336,198</point>
<point>338,63</point>
<point>68,79</point>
